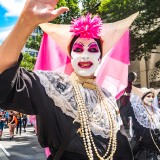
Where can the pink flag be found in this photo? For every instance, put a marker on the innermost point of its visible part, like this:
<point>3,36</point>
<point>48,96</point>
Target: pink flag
<point>113,72</point>
<point>51,57</point>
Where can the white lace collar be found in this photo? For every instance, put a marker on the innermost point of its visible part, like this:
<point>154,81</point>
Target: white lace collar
<point>142,116</point>
<point>59,88</point>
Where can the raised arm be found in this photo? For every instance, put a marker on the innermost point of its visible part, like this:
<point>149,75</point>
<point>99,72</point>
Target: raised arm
<point>33,13</point>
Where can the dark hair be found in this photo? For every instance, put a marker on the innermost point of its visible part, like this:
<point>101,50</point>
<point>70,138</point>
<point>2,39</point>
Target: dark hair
<point>146,94</point>
<point>76,37</point>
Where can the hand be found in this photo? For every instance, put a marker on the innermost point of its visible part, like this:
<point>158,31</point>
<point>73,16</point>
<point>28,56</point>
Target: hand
<point>40,11</point>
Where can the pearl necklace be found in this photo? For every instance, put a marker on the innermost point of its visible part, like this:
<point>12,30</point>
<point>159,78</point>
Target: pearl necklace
<point>85,123</point>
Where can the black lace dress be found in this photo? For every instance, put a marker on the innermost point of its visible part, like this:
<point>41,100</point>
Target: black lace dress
<point>143,128</point>
<point>49,96</point>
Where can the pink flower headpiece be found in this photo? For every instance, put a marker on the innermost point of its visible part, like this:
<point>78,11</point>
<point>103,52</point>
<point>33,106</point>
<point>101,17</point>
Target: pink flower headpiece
<point>86,27</point>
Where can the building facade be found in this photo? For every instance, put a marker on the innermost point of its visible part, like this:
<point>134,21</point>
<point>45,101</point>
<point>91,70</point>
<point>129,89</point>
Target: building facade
<point>34,34</point>
<point>148,74</point>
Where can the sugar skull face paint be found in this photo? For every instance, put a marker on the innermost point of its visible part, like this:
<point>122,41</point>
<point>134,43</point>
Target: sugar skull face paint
<point>85,56</point>
<point>148,99</point>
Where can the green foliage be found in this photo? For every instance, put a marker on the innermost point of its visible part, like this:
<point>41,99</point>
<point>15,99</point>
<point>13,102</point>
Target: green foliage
<point>34,43</point>
<point>90,6</point>
<point>28,61</point>
<point>74,11</point>
<point>114,10</point>
<point>145,30</point>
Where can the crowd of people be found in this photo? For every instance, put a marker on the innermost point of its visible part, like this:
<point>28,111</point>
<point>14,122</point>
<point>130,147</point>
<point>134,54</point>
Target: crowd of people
<point>77,118</point>
<point>15,122</point>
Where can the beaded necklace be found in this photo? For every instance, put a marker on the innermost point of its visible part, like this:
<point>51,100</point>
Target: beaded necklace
<point>86,134</point>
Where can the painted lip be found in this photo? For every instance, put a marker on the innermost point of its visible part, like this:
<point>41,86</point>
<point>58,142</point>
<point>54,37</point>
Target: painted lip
<point>85,65</point>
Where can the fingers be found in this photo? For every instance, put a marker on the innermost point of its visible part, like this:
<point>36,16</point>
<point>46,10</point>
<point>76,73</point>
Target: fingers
<point>59,11</point>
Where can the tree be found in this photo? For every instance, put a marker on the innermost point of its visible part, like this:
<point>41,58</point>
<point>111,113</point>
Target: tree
<point>90,6</point>
<point>28,61</point>
<point>74,11</point>
<point>145,30</point>
<point>34,43</point>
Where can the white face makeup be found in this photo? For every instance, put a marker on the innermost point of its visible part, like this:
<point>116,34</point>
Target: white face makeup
<point>148,99</point>
<point>85,56</point>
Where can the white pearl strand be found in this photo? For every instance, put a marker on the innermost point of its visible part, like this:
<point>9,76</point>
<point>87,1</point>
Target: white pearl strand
<point>85,127</point>
<point>113,127</point>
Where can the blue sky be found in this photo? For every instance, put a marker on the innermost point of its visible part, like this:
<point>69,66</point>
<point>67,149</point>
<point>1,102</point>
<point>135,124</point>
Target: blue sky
<point>9,12</point>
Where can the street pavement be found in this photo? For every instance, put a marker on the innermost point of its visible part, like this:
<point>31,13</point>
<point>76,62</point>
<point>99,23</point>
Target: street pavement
<point>22,147</point>
<point>3,155</point>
